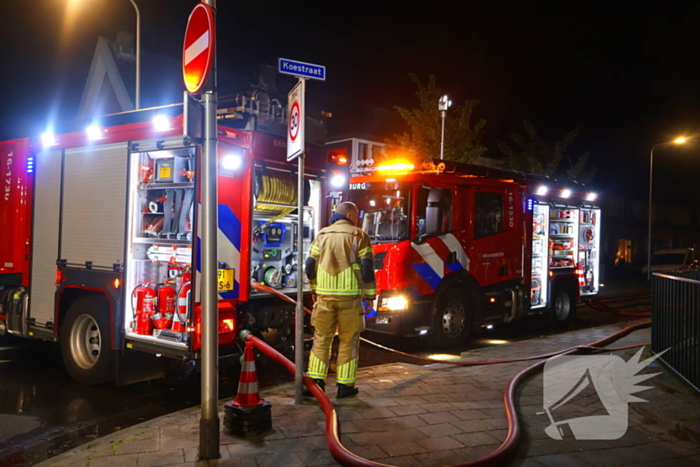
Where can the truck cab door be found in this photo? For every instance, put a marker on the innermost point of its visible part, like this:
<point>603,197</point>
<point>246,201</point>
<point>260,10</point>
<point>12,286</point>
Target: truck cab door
<point>496,232</point>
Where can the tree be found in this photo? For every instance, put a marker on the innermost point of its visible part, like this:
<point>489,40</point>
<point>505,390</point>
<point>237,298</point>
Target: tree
<point>533,154</point>
<point>462,139</point>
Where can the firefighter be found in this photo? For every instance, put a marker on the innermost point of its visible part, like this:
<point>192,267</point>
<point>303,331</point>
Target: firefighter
<point>340,268</point>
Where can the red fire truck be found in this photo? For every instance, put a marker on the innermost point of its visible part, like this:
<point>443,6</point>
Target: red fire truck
<point>460,247</point>
<point>99,237</point>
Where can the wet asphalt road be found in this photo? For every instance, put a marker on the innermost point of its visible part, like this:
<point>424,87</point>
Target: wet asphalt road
<point>43,412</point>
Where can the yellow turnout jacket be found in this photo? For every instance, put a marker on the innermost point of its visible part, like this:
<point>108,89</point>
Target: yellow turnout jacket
<point>341,262</point>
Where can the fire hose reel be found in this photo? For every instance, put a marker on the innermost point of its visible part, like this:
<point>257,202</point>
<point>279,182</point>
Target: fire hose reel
<point>273,277</point>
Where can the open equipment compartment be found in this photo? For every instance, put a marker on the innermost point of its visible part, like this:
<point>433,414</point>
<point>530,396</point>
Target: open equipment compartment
<point>540,281</point>
<point>588,264</point>
<point>276,233</point>
<point>160,238</point>
<point>562,236</point>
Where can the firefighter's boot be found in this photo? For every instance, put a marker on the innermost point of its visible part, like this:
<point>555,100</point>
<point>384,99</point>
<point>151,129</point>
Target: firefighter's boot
<point>346,391</point>
<point>319,382</point>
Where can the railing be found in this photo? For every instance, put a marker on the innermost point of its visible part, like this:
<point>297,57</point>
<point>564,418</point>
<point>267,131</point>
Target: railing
<point>688,274</point>
<point>676,322</point>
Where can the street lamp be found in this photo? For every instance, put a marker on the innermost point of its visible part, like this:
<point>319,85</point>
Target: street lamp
<point>443,104</point>
<point>679,140</point>
<point>138,55</point>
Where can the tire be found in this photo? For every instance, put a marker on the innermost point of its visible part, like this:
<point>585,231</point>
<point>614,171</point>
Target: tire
<point>563,309</point>
<point>452,321</point>
<point>86,343</point>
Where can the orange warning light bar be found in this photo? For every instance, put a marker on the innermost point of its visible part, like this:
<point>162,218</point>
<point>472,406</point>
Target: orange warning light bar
<point>396,167</point>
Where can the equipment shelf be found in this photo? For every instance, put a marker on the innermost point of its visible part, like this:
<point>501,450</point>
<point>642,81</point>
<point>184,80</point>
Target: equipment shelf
<point>163,241</point>
<point>165,186</point>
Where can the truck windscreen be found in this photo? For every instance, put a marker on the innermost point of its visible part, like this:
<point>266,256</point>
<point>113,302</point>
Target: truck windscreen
<point>384,213</point>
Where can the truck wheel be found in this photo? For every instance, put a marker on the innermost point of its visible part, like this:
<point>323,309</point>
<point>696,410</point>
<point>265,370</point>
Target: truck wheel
<point>85,342</point>
<point>452,321</point>
<point>563,309</point>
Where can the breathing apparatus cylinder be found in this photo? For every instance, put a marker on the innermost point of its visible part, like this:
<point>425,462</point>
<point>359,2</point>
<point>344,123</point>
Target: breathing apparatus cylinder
<point>144,308</point>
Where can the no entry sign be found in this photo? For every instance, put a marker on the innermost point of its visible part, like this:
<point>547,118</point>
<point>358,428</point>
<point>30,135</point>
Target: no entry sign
<point>198,49</point>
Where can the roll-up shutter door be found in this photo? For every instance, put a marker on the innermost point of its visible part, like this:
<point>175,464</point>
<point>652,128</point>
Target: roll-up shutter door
<point>47,203</point>
<point>94,205</point>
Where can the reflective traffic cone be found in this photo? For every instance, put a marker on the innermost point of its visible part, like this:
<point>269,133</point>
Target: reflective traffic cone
<point>248,395</point>
<point>248,414</point>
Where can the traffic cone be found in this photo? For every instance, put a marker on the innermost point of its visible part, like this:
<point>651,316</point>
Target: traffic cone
<point>248,414</point>
<point>248,395</point>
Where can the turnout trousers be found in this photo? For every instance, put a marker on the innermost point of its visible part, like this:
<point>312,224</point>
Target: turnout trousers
<point>347,317</point>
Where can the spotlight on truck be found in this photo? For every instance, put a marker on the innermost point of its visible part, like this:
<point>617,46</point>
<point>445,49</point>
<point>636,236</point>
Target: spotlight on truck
<point>94,132</point>
<point>48,139</point>
<point>161,123</point>
<point>337,180</point>
<point>231,162</point>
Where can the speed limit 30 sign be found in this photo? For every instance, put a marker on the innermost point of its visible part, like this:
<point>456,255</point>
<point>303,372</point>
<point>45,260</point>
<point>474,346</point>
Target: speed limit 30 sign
<point>294,118</point>
<point>295,121</point>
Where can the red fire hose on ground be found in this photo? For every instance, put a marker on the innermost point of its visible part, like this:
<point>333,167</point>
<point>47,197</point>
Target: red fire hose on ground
<point>496,458</point>
<point>601,306</point>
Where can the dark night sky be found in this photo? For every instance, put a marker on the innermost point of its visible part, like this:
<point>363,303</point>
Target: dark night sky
<point>623,71</point>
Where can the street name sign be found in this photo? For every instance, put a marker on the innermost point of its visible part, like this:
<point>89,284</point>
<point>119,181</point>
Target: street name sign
<point>301,69</point>
<point>295,121</point>
<point>198,49</point>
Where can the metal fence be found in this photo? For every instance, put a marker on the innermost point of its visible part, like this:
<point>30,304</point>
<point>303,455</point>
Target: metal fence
<point>675,301</point>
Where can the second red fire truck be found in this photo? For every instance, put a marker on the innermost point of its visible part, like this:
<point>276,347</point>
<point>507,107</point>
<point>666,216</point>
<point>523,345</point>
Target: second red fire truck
<point>460,247</point>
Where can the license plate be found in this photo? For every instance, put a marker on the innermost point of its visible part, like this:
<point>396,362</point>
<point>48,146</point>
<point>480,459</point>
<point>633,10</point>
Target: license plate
<point>225,279</point>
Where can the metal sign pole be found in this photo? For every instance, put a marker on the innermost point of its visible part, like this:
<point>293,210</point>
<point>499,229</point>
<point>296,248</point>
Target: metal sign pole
<point>299,323</point>
<point>209,423</point>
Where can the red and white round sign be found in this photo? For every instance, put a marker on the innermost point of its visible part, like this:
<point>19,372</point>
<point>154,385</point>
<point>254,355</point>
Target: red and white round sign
<point>294,120</point>
<point>198,49</point>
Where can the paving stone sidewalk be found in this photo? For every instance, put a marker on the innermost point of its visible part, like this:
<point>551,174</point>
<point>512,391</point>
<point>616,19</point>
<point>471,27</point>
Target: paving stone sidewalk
<point>424,416</point>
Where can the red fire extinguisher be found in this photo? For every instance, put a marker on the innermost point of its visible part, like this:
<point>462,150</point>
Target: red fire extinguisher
<point>183,299</point>
<point>166,305</point>
<point>144,308</point>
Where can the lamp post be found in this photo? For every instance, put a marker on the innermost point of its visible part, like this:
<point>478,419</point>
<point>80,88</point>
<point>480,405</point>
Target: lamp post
<point>679,140</point>
<point>138,55</point>
<point>443,104</point>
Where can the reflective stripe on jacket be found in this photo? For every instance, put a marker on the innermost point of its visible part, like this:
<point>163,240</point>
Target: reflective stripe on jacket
<point>341,262</point>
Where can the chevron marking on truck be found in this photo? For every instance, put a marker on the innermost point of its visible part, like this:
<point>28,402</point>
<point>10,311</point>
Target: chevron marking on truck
<point>434,254</point>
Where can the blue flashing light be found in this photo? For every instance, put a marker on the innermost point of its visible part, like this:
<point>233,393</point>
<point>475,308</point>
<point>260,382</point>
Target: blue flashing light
<point>530,204</point>
<point>30,165</point>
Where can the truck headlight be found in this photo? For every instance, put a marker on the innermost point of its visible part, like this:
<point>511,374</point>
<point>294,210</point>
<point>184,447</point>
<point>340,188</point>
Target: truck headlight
<point>395,303</point>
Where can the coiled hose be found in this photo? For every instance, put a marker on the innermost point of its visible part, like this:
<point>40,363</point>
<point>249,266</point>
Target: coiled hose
<point>281,193</point>
<point>496,458</point>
